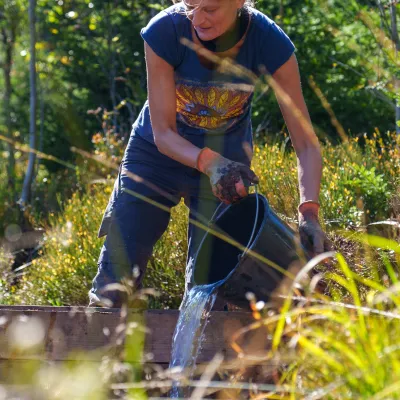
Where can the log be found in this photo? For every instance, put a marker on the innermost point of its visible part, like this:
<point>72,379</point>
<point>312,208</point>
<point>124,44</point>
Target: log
<point>81,333</point>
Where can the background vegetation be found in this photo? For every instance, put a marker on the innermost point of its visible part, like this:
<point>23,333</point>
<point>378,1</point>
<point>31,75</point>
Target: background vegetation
<point>337,342</point>
<point>91,86</point>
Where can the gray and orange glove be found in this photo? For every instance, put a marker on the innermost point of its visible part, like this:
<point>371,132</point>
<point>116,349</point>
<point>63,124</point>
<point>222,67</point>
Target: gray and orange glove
<point>312,236</point>
<point>229,180</point>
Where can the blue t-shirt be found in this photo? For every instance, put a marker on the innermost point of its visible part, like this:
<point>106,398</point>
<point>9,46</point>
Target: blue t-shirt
<point>213,102</point>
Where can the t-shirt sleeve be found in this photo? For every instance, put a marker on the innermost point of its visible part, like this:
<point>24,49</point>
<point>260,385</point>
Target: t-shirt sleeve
<point>276,49</point>
<point>160,34</point>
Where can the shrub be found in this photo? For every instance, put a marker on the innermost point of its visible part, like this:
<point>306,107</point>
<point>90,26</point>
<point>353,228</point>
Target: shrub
<point>63,275</point>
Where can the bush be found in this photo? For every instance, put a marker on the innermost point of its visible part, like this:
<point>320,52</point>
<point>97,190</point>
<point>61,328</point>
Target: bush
<point>358,180</point>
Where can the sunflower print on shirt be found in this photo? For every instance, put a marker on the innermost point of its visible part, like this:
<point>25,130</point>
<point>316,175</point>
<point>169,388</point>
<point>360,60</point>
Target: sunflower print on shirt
<point>211,107</point>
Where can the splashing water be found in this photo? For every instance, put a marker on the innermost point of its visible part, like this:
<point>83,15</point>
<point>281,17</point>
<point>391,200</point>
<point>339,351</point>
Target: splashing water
<point>189,330</point>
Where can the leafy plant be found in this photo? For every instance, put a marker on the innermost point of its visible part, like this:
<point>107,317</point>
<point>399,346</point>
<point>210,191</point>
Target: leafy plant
<point>372,189</point>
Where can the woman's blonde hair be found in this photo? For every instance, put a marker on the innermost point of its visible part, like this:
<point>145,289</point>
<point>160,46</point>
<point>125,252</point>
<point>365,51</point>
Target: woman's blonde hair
<point>247,3</point>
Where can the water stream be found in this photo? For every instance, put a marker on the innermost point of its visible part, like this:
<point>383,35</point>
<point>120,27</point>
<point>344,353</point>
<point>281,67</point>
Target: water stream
<point>189,330</point>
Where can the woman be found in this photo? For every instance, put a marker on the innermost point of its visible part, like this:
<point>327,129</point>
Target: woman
<point>193,137</point>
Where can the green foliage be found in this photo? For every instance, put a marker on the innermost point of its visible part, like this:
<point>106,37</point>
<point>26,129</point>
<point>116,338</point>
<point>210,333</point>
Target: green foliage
<point>371,189</point>
<point>90,54</point>
<point>358,181</point>
<point>344,348</point>
<point>341,52</point>
<point>343,342</point>
<point>68,263</point>
<point>338,344</point>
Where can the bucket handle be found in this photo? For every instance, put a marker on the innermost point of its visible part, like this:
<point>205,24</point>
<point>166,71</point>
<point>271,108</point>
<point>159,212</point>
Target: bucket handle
<point>247,248</point>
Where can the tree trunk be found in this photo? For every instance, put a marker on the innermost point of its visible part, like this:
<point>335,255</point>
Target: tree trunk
<point>41,132</point>
<point>112,69</point>
<point>40,141</point>
<point>26,190</point>
<point>396,41</point>
<point>9,43</point>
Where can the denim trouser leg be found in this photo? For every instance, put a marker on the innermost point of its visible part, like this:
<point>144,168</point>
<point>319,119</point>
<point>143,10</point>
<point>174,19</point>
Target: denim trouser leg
<point>129,244</point>
<point>138,216</point>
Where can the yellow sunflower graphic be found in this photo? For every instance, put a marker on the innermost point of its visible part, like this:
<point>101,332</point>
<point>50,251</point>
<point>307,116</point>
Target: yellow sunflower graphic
<point>210,108</point>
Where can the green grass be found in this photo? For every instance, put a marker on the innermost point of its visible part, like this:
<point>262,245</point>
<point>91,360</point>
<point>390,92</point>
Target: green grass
<point>63,274</point>
<point>339,341</point>
<point>343,349</point>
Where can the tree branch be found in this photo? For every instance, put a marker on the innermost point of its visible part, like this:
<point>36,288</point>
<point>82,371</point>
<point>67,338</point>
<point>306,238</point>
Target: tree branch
<point>382,13</point>
<point>394,32</point>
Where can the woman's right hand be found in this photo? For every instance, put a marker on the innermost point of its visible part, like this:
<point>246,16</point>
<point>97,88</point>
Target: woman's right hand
<point>229,179</point>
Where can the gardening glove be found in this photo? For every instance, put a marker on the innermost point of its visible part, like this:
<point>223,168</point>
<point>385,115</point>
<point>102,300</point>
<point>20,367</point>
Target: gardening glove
<point>229,180</point>
<point>312,236</point>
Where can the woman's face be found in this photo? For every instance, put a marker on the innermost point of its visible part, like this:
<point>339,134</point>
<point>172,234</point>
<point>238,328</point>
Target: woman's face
<point>212,18</point>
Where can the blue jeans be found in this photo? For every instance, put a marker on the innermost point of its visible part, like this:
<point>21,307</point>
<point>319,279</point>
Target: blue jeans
<point>138,212</point>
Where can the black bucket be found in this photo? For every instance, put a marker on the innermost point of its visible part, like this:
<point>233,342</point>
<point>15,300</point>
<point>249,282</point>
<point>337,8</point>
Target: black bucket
<point>236,271</point>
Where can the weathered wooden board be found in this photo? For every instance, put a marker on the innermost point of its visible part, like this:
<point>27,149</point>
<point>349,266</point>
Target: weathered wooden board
<point>74,333</point>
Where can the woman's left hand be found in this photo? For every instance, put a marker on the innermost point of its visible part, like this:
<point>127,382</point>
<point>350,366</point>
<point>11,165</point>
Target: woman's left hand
<point>312,237</point>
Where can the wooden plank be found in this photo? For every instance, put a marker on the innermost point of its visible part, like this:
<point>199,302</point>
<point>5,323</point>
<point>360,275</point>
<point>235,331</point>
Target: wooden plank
<point>74,333</point>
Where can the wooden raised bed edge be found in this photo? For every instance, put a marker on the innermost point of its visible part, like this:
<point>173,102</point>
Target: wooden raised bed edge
<point>73,333</point>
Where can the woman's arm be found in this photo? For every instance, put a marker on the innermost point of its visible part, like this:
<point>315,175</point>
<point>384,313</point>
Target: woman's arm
<point>228,178</point>
<point>297,118</point>
<point>287,85</point>
<point>162,102</point>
